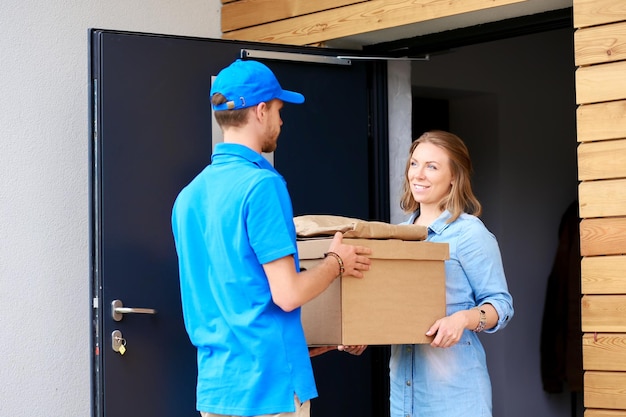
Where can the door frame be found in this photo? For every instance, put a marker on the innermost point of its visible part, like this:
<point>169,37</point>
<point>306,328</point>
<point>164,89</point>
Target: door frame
<point>441,41</point>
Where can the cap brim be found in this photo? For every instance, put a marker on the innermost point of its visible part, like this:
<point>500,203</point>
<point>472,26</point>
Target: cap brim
<point>291,97</point>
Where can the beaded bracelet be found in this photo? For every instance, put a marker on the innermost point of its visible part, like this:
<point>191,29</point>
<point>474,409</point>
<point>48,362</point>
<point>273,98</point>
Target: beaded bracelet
<point>339,260</point>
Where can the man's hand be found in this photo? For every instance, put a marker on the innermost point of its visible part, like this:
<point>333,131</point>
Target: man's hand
<point>353,350</point>
<point>318,350</point>
<point>354,257</point>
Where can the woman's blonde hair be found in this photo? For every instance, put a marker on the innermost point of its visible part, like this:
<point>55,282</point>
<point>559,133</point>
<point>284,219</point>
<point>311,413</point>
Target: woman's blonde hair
<point>461,197</point>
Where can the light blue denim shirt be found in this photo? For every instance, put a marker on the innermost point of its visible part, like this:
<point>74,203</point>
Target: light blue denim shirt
<point>454,381</point>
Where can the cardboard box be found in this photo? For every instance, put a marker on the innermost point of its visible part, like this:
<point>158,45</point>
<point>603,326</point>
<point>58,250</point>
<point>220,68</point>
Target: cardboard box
<point>395,302</point>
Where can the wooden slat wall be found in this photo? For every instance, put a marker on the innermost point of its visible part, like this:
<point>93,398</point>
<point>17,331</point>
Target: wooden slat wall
<point>306,22</point>
<point>600,53</point>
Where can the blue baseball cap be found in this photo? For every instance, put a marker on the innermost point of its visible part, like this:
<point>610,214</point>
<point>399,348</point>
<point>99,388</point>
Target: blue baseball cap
<point>248,83</point>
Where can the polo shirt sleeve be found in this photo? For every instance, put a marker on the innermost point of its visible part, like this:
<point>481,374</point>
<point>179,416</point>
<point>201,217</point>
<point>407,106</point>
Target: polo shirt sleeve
<point>269,220</point>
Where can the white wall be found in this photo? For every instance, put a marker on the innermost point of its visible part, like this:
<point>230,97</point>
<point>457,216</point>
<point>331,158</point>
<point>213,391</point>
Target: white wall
<point>44,259</point>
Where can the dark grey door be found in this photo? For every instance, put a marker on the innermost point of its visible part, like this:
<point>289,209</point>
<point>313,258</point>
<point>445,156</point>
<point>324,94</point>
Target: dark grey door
<point>151,134</point>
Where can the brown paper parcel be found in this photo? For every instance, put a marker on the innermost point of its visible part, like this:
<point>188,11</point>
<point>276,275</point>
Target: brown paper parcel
<point>316,225</point>
<point>395,302</point>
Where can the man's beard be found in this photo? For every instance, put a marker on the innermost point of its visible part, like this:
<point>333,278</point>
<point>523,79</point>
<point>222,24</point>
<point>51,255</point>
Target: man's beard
<point>269,147</point>
<point>271,142</point>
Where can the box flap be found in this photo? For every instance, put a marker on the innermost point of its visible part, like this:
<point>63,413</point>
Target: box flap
<point>381,248</point>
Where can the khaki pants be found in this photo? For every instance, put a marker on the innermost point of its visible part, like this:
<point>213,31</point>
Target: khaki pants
<point>302,410</point>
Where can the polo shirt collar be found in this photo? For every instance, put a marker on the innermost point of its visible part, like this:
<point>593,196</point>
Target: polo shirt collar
<point>234,149</point>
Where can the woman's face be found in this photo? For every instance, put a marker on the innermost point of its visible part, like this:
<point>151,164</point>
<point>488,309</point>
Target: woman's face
<point>429,174</point>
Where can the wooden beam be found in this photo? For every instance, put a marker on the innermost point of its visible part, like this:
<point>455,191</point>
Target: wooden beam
<point>359,18</point>
<point>590,412</point>
<point>603,82</point>
<point>604,351</point>
<point>247,13</point>
<point>600,44</point>
<point>603,236</point>
<point>605,198</point>
<point>598,12</point>
<point>605,390</point>
<point>602,160</point>
<point>603,275</point>
<point>601,121</point>
<point>603,313</point>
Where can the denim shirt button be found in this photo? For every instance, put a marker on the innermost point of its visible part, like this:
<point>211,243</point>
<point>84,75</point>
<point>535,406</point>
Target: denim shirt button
<point>408,383</point>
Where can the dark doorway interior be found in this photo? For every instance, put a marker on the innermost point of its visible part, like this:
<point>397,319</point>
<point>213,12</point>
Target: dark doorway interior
<point>429,114</point>
<point>508,90</point>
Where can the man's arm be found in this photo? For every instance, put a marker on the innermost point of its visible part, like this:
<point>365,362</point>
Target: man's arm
<point>291,289</point>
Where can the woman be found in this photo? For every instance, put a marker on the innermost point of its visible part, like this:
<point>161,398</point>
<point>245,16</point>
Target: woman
<point>449,377</point>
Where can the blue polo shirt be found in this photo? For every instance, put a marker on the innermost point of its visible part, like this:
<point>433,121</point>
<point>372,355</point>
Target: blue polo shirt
<point>232,218</point>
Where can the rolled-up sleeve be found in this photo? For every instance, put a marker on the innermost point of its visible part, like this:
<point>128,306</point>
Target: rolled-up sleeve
<point>479,255</point>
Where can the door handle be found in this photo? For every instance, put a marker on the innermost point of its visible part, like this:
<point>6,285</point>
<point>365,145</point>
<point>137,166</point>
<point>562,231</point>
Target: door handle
<point>118,310</point>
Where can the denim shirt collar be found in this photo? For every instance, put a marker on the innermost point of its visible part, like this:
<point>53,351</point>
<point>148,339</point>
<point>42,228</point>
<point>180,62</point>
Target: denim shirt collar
<point>437,226</point>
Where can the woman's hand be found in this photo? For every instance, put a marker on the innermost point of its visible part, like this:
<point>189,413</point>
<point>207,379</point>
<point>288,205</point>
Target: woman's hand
<point>448,330</point>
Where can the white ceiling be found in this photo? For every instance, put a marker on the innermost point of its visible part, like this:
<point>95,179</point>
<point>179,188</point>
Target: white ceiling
<point>528,7</point>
